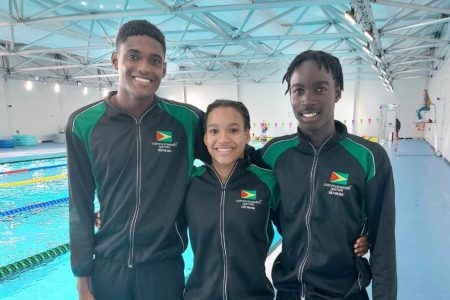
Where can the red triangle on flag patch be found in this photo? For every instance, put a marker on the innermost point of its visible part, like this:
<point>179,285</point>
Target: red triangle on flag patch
<point>333,177</point>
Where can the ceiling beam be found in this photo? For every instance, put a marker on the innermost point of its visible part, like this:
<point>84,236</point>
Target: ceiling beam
<point>415,37</point>
<point>46,11</point>
<point>59,67</point>
<point>413,6</point>
<point>427,23</point>
<point>168,11</point>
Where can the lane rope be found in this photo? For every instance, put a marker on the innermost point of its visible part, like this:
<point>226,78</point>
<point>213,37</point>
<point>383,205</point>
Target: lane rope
<point>31,169</point>
<point>29,181</point>
<point>32,261</point>
<point>27,208</point>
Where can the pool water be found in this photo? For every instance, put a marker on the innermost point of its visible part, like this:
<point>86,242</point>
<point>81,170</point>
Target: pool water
<point>18,196</point>
<point>35,231</point>
<point>25,234</point>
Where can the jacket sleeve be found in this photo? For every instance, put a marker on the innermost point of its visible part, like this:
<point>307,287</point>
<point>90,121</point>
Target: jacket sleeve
<point>380,208</point>
<point>255,156</point>
<point>275,218</point>
<point>81,204</point>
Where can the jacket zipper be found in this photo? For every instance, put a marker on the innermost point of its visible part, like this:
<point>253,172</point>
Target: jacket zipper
<point>312,180</point>
<point>222,230</point>
<point>138,187</point>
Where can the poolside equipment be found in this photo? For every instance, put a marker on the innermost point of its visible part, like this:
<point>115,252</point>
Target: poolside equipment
<point>25,139</point>
<point>7,144</point>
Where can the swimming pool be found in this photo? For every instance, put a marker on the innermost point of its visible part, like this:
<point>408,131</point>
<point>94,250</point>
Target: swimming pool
<point>28,233</point>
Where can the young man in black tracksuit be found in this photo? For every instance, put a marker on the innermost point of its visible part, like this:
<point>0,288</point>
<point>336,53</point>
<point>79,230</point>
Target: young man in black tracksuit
<point>227,208</point>
<point>334,186</point>
<point>135,151</point>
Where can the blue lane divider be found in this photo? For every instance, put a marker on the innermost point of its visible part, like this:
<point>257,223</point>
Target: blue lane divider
<point>31,169</point>
<point>27,208</point>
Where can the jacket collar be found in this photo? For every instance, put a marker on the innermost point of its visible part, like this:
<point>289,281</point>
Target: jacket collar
<point>113,111</point>
<point>339,134</point>
<point>239,170</point>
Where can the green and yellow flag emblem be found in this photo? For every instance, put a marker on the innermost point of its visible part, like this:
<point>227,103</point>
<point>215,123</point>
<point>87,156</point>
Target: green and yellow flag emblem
<point>164,136</point>
<point>339,178</point>
<point>248,194</point>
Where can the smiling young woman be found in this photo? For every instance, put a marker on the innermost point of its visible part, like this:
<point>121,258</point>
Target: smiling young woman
<point>227,209</point>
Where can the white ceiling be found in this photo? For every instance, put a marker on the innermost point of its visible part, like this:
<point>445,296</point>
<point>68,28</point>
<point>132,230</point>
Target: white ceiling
<point>216,41</point>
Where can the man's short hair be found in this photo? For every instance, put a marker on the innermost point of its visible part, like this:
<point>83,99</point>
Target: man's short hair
<point>140,27</point>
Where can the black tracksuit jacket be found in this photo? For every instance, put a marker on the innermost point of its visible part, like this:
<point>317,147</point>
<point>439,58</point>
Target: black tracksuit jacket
<point>139,170</point>
<point>328,198</point>
<point>228,228</point>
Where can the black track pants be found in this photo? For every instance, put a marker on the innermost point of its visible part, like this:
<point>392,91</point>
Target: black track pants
<point>154,281</point>
<point>296,296</point>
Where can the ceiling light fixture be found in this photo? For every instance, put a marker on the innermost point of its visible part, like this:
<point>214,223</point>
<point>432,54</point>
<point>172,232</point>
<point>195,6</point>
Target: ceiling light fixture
<point>366,48</point>
<point>56,88</point>
<point>29,85</point>
<point>368,35</point>
<point>350,16</point>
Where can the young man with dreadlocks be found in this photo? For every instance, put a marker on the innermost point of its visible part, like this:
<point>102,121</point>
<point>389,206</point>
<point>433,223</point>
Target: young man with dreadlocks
<point>334,187</point>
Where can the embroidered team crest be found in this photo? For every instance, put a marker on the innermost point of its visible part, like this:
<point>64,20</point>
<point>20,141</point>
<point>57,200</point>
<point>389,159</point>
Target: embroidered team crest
<point>164,136</point>
<point>339,178</point>
<point>248,194</point>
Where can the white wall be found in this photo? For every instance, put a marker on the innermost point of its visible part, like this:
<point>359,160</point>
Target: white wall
<point>407,94</point>
<point>72,98</point>
<point>267,103</point>
<point>33,112</point>
<point>42,112</point>
<point>345,107</point>
<point>202,95</point>
<point>172,93</point>
<point>39,111</point>
<point>4,116</point>
<point>439,133</point>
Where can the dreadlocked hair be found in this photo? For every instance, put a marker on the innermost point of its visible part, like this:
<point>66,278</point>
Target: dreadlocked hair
<point>323,59</point>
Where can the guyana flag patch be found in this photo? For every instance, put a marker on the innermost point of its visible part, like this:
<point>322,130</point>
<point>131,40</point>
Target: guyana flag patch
<point>248,194</point>
<point>339,178</point>
<point>164,136</point>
